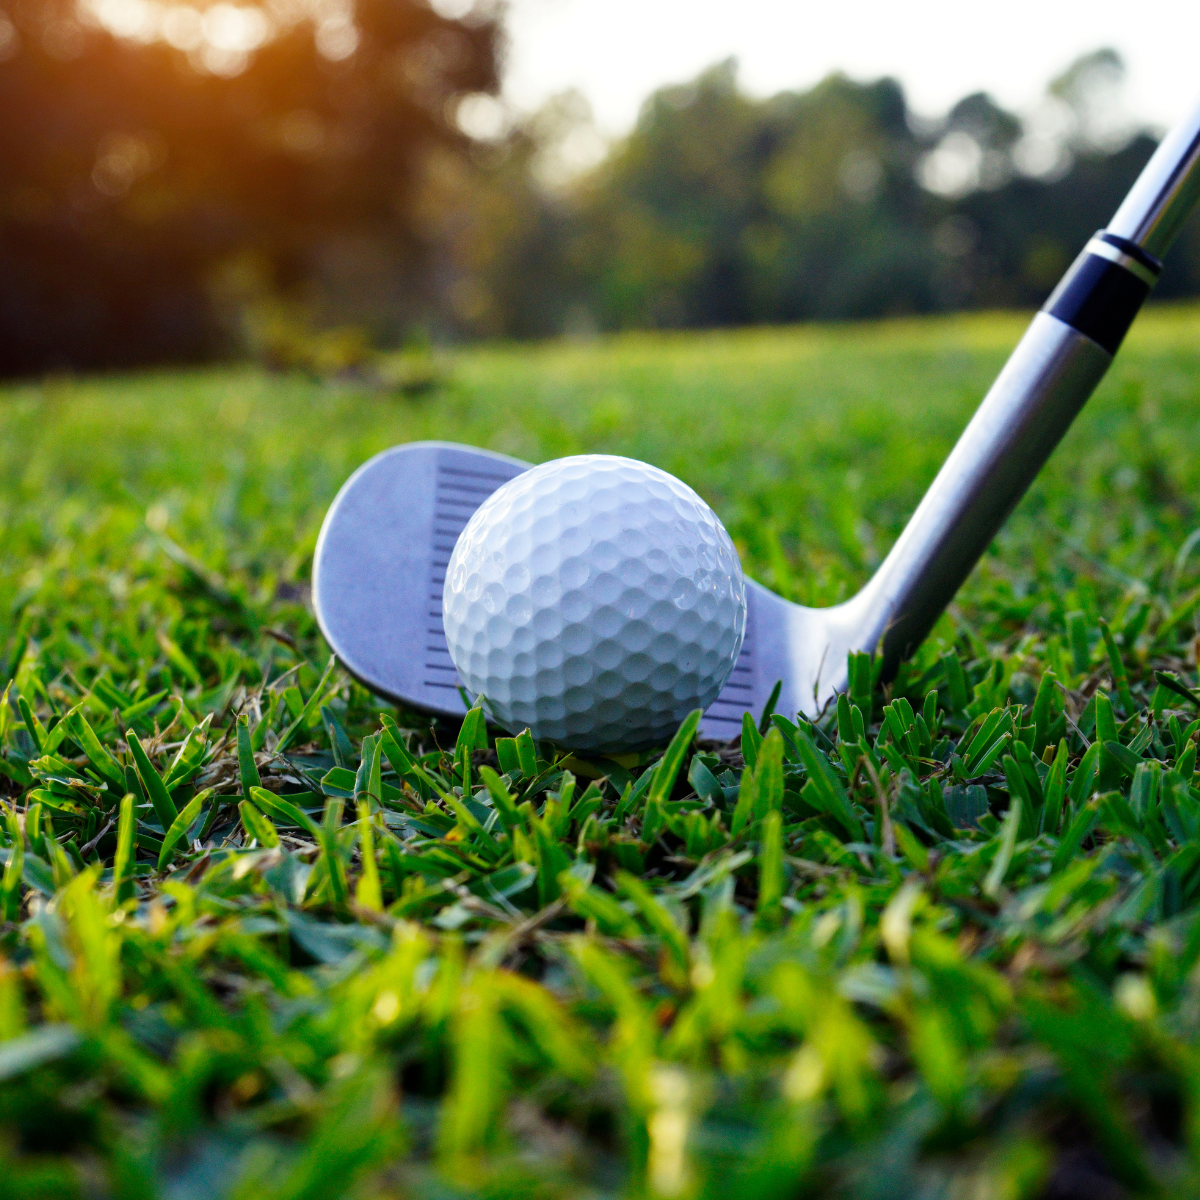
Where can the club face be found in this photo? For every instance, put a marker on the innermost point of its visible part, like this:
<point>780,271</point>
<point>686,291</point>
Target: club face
<point>381,559</point>
<point>380,564</point>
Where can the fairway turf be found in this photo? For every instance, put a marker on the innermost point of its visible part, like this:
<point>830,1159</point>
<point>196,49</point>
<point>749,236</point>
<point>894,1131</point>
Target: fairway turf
<point>264,936</point>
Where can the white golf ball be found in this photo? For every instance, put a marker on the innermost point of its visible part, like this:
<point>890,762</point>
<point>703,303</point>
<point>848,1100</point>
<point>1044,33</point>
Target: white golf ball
<point>596,600</point>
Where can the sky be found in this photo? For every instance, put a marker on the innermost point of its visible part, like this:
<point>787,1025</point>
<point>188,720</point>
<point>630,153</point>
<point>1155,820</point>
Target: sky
<point>618,51</point>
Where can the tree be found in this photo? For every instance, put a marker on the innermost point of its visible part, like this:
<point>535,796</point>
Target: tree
<point>154,156</point>
<point>723,209</point>
<point>719,209</point>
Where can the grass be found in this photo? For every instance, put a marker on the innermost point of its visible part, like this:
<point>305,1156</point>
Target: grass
<point>262,936</point>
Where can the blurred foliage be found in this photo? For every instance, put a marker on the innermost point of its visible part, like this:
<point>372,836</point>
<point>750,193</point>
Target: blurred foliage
<point>162,167</point>
<point>839,202</point>
<point>262,935</point>
<point>284,337</point>
<point>313,181</point>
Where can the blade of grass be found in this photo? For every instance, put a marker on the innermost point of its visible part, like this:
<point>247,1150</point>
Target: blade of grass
<point>257,826</point>
<point>668,768</point>
<point>369,892</point>
<point>309,710</point>
<point>122,887</point>
<point>1004,852</point>
<point>180,826</point>
<point>247,769</point>
<point>285,810</point>
<point>156,790</point>
<point>103,762</point>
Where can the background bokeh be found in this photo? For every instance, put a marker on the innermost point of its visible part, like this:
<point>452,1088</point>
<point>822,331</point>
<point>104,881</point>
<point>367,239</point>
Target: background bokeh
<point>311,182</point>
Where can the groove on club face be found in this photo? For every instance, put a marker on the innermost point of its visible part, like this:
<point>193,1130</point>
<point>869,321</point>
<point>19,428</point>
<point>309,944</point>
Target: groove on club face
<point>386,538</point>
<point>723,717</point>
<point>380,566</point>
<point>459,489</point>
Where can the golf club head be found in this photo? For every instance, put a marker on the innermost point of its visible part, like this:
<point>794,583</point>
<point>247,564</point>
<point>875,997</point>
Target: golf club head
<point>380,564</point>
<point>381,557</point>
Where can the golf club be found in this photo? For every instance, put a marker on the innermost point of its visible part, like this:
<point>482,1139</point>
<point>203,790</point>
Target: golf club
<point>380,560</point>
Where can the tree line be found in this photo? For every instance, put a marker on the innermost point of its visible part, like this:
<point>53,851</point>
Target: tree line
<point>165,184</point>
<point>828,204</point>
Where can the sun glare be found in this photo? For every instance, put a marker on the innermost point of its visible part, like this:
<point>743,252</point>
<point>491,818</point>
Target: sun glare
<point>221,37</point>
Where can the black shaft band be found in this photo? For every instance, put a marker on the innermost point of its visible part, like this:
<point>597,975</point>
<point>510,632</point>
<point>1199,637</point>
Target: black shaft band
<point>1099,297</point>
<point>1132,249</point>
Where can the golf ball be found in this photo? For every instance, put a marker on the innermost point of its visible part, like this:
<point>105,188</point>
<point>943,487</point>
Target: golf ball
<point>596,600</point>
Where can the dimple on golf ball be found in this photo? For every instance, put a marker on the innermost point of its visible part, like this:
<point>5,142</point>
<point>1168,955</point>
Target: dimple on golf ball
<point>596,600</point>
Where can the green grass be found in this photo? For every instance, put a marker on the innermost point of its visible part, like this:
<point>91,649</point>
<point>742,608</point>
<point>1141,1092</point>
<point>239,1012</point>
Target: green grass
<point>264,937</point>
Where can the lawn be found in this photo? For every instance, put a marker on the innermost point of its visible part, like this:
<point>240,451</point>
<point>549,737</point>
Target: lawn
<point>261,935</point>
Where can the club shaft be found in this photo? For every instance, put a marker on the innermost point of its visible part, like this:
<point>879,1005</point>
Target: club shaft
<point>1045,382</point>
<point>1049,377</point>
<point>1165,192</point>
